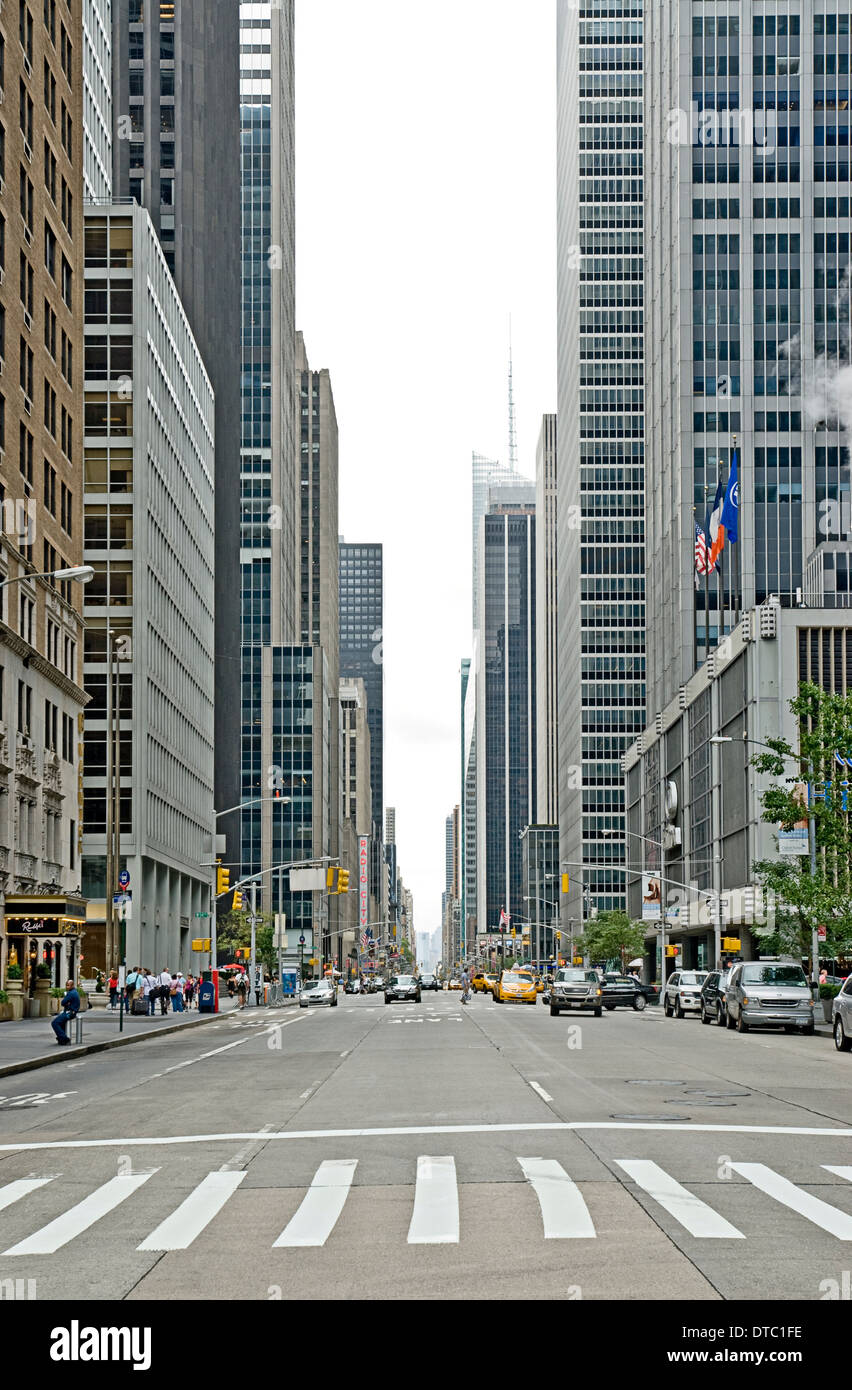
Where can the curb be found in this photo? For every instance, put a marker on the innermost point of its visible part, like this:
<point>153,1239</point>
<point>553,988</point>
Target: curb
<point>51,1059</point>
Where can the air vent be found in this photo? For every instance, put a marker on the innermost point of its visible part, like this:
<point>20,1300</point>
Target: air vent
<point>681,698</point>
<point>658,722</point>
<point>746,629</point>
<point>640,744</point>
<point>768,620</point>
<point>710,666</point>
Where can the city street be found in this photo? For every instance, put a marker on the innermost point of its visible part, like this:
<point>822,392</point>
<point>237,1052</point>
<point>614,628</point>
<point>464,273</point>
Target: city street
<point>433,1151</point>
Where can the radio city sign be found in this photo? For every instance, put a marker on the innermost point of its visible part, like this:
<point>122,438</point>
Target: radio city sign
<point>364,879</point>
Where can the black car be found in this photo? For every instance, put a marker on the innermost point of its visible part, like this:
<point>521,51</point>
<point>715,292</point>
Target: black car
<point>429,982</point>
<point>402,987</point>
<point>713,1005</point>
<point>623,991</point>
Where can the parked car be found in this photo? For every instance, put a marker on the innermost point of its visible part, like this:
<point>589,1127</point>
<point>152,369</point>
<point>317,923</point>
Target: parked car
<point>430,982</point>
<point>683,992</point>
<point>402,987</point>
<point>626,991</point>
<point>713,997</point>
<point>841,1017</point>
<point>575,988</point>
<point>769,994</point>
<point>318,992</point>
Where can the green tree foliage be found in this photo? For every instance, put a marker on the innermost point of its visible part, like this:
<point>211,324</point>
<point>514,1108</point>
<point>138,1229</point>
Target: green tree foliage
<point>822,898</point>
<point>612,936</point>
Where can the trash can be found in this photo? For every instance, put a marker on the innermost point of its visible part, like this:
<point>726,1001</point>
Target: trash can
<point>207,997</point>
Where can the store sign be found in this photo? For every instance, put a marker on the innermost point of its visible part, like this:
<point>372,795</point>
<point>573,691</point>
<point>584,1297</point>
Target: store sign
<point>364,880</point>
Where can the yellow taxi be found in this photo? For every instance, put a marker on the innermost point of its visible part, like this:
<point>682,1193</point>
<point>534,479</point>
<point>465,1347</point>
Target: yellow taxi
<point>489,982</point>
<point>514,987</point>
<point>480,981</point>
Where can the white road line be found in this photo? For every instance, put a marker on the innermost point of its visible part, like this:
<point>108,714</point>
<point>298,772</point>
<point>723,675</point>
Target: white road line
<point>321,1206</point>
<point>179,1230</point>
<point>306,1093</point>
<point>563,1211</point>
<point>346,1054</point>
<point>435,1219</point>
<point>541,1092</point>
<point>401,1131</point>
<point>693,1214</point>
<point>820,1213</point>
<point>841,1172</point>
<point>204,1056</point>
<point>80,1217</point>
<point>13,1191</point>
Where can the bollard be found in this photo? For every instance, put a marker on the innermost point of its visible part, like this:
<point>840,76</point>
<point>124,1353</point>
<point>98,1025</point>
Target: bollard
<point>78,1030</point>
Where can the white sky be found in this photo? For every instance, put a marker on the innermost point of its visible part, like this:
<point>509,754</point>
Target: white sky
<point>426,215</point>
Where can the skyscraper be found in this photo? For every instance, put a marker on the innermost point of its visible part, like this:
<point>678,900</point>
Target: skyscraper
<point>362,658</point>
<point>176,150</point>
<point>600,469</point>
<point>486,473</point>
<point>546,624</point>
<point>505,712</point>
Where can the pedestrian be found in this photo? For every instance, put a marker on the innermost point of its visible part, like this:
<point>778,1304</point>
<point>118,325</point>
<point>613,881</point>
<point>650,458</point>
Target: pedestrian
<point>164,983</point>
<point>177,993</point>
<point>232,984</point>
<point>113,989</point>
<point>465,984</point>
<point>823,976</point>
<point>131,984</point>
<point>242,988</point>
<point>70,1010</point>
<point>148,987</point>
<point>189,991</point>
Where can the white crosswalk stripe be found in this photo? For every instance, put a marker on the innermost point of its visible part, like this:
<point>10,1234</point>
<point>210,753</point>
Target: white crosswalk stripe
<point>699,1219</point>
<point>179,1230</point>
<point>563,1211</point>
<point>326,1197</point>
<point>13,1191</point>
<point>836,1222</point>
<point>80,1217</point>
<point>435,1219</point>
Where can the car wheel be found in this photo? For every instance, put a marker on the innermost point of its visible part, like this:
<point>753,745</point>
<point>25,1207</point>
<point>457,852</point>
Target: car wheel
<point>609,1006</point>
<point>729,1020</point>
<point>742,1026</point>
<point>599,1012</point>
<point>705,1017</point>
<point>417,998</point>
<point>554,1012</point>
<point>667,1008</point>
<point>721,1016</point>
<point>841,1042</point>
<point>678,1008</point>
<point>808,1030</point>
<point>639,1002</point>
<point>387,1001</point>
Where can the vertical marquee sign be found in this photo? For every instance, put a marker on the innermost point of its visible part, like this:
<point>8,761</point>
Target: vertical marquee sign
<point>364,881</point>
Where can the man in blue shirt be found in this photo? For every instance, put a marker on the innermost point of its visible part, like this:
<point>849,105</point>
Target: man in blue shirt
<point>70,1009</point>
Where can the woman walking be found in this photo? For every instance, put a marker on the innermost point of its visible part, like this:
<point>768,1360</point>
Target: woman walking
<point>113,989</point>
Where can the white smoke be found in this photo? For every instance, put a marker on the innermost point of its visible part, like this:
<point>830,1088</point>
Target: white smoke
<point>825,384</point>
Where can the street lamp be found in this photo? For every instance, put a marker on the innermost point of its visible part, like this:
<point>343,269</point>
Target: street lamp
<point>81,574</point>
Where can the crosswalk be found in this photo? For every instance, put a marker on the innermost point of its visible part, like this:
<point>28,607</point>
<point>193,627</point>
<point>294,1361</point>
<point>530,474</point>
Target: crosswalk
<point>435,1217</point>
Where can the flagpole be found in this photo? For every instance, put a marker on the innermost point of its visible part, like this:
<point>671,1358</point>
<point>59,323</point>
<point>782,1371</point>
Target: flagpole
<point>721,633</point>
<point>695,600</point>
<point>737,543</point>
<point>706,579</point>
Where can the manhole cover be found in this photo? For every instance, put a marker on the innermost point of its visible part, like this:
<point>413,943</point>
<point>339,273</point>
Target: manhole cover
<point>655,1082</point>
<point>705,1104</point>
<point>653,1119</point>
<point>721,1095</point>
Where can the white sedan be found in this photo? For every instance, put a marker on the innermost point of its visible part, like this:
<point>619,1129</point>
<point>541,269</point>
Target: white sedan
<point>318,992</point>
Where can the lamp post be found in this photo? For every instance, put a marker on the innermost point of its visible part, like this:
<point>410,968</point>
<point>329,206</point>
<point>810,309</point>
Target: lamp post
<point>229,810</point>
<point>81,574</point>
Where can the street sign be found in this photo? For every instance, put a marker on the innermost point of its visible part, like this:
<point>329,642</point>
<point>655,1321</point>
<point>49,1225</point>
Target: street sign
<point>821,933</point>
<point>124,879</point>
<point>202,914</point>
<point>302,940</point>
<point>122,903</point>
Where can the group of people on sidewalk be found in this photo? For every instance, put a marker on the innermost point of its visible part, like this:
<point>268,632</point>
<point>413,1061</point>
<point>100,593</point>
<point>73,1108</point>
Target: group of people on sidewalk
<point>181,991</point>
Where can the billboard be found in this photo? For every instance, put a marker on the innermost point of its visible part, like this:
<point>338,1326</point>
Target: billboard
<point>652,898</point>
<point>363,881</point>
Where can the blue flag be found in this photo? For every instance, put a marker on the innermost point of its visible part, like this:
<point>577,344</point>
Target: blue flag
<point>731,508</point>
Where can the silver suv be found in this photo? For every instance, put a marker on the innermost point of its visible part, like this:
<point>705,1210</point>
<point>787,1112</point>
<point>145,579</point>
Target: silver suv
<point>576,989</point>
<point>683,993</point>
<point>841,1018</point>
<point>769,994</point>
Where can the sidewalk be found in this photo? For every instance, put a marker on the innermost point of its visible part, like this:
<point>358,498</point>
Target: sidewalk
<point>30,1043</point>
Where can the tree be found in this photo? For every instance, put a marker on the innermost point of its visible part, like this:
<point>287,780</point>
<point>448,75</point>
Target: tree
<point>612,936</point>
<point>818,788</point>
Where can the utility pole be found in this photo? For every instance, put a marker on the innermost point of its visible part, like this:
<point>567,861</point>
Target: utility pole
<point>253,918</point>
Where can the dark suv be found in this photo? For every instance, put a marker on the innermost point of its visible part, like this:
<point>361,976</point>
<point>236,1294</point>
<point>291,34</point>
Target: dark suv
<point>714,1008</point>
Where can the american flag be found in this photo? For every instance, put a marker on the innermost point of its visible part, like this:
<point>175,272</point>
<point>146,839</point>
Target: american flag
<point>365,939</point>
<point>702,552</point>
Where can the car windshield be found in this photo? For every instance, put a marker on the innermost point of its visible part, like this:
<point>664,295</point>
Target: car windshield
<point>575,976</point>
<point>693,977</point>
<point>404,980</point>
<point>773,975</point>
<point>312,984</point>
<point>511,978</point>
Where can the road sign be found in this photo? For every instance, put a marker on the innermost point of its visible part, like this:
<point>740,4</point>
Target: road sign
<point>202,914</point>
<point>122,903</point>
<point>124,879</point>
<point>821,933</point>
<point>301,940</point>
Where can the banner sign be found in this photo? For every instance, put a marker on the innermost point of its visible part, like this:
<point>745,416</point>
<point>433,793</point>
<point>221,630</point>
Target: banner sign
<point>652,898</point>
<point>364,881</point>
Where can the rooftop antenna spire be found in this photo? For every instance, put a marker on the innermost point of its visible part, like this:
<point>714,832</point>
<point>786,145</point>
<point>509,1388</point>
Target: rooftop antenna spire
<point>513,441</point>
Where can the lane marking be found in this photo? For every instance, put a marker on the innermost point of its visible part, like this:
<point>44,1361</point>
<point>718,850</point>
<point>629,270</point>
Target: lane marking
<point>813,1209</point>
<point>346,1054</point>
<point>179,1230</point>
<point>400,1131</point>
<point>687,1209</point>
<point>13,1191</point>
<point>80,1217</point>
<point>321,1206</point>
<point>204,1056</point>
<point>435,1219</point>
<point>542,1092</point>
<point>305,1094</point>
<point>841,1172</point>
<point>563,1212</point>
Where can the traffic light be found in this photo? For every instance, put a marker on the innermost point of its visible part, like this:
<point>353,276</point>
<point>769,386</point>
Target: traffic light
<point>566,885</point>
<point>238,900</point>
<point>331,878</point>
<point>559,936</point>
<point>343,881</point>
<point>223,880</point>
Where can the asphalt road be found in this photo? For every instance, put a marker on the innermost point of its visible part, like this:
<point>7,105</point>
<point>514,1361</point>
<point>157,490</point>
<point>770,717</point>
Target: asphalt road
<point>432,1152</point>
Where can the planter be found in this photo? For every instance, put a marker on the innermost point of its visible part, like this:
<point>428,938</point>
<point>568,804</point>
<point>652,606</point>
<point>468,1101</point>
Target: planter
<point>17,998</point>
<point>5,1013</point>
<point>55,1005</point>
<point>98,1001</point>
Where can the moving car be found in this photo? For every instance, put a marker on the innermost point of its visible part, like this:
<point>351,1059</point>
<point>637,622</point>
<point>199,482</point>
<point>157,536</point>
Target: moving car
<point>769,994</point>
<point>430,982</point>
<point>575,988</point>
<point>480,982</point>
<point>352,987</point>
<point>318,992</point>
<point>402,987</point>
<point>454,983</point>
<point>841,1017</point>
<point>514,987</point>
<point>490,982</point>
<point>683,992</point>
<point>620,991</point>
<point>713,993</point>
